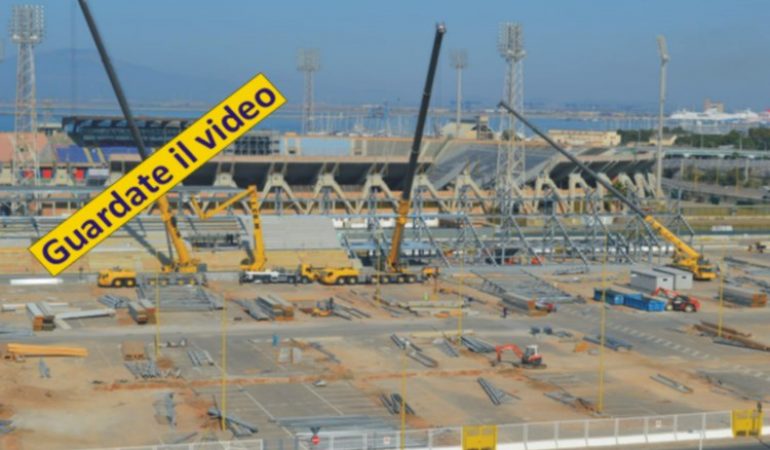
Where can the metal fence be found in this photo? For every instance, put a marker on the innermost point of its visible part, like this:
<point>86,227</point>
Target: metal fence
<point>586,433</point>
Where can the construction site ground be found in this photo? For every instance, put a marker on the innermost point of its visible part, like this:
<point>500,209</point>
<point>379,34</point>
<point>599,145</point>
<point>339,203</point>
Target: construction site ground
<point>96,402</point>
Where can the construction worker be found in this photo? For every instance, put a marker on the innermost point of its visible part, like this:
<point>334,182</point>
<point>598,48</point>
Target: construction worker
<point>505,312</point>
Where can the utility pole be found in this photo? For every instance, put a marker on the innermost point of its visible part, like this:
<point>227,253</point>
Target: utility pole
<point>459,60</point>
<point>664,58</point>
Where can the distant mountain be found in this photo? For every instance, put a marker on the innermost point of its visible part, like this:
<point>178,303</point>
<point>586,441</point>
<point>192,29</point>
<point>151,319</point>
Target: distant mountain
<point>141,83</point>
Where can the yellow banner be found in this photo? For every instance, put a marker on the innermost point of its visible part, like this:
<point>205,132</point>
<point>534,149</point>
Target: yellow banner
<point>156,175</point>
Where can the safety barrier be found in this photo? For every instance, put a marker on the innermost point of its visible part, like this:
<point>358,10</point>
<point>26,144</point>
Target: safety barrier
<point>576,434</point>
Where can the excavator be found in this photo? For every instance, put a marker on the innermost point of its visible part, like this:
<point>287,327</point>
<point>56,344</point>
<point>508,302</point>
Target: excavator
<point>182,269</point>
<point>529,358</point>
<point>685,257</point>
<point>393,270</point>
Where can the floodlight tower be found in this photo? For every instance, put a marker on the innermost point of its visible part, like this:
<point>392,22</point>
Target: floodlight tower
<point>664,58</point>
<point>459,60</point>
<point>27,30</point>
<point>308,62</point>
<point>510,160</point>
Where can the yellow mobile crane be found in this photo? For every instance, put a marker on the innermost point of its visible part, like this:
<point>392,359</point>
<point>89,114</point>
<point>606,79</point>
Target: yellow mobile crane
<point>685,257</point>
<point>253,268</point>
<point>184,263</point>
<point>394,271</point>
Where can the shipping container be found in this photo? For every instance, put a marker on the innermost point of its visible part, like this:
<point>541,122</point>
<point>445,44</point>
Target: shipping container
<point>612,296</point>
<point>647,280</point>
<point>681,278</point>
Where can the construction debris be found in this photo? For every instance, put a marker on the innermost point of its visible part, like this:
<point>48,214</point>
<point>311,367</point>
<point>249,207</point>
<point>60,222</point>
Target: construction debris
<point>138,313</point>
<point>496,395</point>
<point>413,351</point>
<point>276,307</point>
<point>85,314</point>
<point>200,357</point>
<point>169,408</point>
<point>477,345</point>
<point>609,342</point>
<point>42,316</point>
<point>321,349</point>
<point>403,343</point>
<point>744,297</point>
<point>114,301</point>
<point>393,403</point>
<point>149,369</point>
<point>446,347</point>
<point>132,350</point>
<point>239,427</point>
<point>662,379</point>
<point>731,336</point>
<point>17,351</point>
<point>253,309</point>
<point>572,401</point>
<point>178,298</point>
<point>7,332</point>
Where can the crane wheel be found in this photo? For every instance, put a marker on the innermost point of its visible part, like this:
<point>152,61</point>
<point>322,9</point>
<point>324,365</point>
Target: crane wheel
<point>411,279</point>
<point>399,280</point>
<point>384,280</point>
<point>130,282</point>
<point>352,280</point>
<point>117,283</point>
<point>340,281</point>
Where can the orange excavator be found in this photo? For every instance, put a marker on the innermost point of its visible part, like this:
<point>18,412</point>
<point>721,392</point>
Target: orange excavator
<point>529,358</point>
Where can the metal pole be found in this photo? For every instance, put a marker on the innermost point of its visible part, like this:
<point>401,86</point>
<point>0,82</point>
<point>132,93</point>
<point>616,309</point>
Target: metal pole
<point>162,202</point>
<point>661,107</point>
<point>574,159</point>
<point>459,100</point>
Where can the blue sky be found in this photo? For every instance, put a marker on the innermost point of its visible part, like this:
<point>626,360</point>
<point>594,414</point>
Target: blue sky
<point>600,51</point>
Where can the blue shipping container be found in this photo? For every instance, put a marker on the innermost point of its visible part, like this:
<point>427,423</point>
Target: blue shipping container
<point>612,297</point>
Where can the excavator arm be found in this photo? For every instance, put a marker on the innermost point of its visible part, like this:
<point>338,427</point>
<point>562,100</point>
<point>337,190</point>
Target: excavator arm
<point>393,261</point>
<point>259,259</point>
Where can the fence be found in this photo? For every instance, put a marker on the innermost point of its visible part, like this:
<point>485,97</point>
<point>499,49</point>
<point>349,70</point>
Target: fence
<point>587,433</point>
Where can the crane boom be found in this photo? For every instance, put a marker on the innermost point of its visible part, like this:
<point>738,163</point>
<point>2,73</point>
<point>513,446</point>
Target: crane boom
<point>393,262</point>
<point>259,259</point>
<point>685,256</point>
<point>184,262</point>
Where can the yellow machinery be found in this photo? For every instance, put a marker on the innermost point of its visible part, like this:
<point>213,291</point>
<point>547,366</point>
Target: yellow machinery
<point>18,351</point>
<point>393,270</point>
<point>685,257</point>
<point>257,260</point>
<point>253,268</point>
<point>184,263</point>
<point>747,422</point>
<point>479,437</point>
